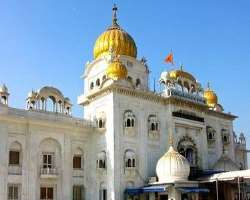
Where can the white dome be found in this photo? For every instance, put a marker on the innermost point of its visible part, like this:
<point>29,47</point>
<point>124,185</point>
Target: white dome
<point>164,77</point>
<point>172,166</point>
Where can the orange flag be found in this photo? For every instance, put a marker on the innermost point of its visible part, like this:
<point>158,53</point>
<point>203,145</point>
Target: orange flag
<point>169,58</point>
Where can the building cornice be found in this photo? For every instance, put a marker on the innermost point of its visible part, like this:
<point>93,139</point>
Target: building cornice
<point>41,118</point>
<point>153,97</point>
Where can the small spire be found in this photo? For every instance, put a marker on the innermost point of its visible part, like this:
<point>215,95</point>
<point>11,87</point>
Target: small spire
<point>114,17</point>
<point>154,84</point>
<point>181,66</point>
<point>171,139</point>
<point>208,85</point>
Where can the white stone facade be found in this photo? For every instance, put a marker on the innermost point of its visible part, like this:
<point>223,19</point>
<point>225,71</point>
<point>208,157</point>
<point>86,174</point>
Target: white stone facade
<point>120,152</point>
<point>45,153</point>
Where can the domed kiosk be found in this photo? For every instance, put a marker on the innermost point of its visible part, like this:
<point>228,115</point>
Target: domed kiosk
<point>172,166</point>
<point>173,182</point>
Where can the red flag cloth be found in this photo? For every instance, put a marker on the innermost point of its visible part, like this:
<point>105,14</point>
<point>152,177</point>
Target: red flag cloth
<point>169,58</point>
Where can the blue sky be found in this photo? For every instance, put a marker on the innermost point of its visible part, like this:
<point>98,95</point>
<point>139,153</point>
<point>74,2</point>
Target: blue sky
<point>47,42</point>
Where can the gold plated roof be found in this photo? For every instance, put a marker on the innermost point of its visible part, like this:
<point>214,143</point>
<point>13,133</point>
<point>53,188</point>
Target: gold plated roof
<point>180,73</point>
<point>116,70</point>
<point>115,39</point>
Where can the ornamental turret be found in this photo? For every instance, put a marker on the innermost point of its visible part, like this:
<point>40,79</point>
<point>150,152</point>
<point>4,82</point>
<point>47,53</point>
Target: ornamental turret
<point>4,94</point>
<point>212,99</point>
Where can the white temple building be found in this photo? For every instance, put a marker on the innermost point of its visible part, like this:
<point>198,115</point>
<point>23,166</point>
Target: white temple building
<point>118,149</point>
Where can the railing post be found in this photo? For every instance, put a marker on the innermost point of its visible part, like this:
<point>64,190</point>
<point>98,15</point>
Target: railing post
<point>217,194</point>
<point>239,187</point>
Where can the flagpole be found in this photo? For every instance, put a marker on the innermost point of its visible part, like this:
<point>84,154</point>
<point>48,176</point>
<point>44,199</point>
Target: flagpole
<point>154,84</point>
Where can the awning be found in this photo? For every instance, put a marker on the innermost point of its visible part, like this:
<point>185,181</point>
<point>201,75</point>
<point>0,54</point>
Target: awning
<point>226,176</point>
<point>155,188</point>
<point>146,189</point>
<point>133,191</point>
<point>193,190</point>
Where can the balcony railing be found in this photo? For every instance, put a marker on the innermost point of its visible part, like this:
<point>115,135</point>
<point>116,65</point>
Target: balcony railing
<point>48,172</point>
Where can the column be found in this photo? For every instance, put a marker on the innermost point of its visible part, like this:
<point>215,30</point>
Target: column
<point>3,161</point>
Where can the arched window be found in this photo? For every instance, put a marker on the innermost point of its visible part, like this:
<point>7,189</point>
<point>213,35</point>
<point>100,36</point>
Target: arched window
<point>50,156</point>
<point>187,148</point>
<point>15,152</point>
<point>153,128</point>
<point>97,82</point>
<point>138,82</point>
<point>91,85</point>
<point>129,119</point>
<point>132,122</point>
<point>43,102</point>
<point>60,106</point>
<point>153,123</point>
<point>100,123</point>
<point>225,136</point>
<point>128,164</point>
<point>128,123</point>
<point>130,79</point>
<point>101,160</point>
<point>50,104</point>
<point>130,159</point>
<point>210,133</point>
<point>78,159</point>
<point>101,120</point>
<point>133,163</point>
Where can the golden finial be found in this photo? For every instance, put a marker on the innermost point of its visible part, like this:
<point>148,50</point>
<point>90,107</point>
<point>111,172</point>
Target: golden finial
<point>114,18</point>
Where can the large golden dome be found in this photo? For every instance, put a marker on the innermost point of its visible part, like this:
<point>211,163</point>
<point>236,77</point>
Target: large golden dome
<point>115,39</point>
<point>210,97</point>
<point>116,70</point>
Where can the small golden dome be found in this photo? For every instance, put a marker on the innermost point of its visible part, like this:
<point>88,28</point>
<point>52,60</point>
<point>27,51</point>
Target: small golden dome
<point>116,70</point>
<point>210,97</point>
<point>115,39</point>
<point>175,74</point>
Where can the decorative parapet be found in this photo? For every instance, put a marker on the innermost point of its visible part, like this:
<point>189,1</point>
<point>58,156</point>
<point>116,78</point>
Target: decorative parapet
<point>192,97</point>
<point>192,102</point>
<point>50,173</point>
